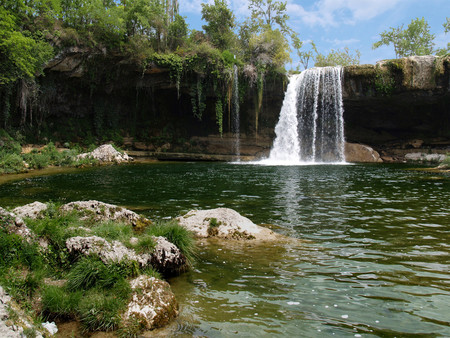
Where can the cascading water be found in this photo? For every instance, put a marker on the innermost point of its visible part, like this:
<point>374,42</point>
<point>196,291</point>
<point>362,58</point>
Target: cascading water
<point>235,110</point>
<point>311,124</point>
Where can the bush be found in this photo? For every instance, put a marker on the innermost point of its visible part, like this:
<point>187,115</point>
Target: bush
<point>10,163</point>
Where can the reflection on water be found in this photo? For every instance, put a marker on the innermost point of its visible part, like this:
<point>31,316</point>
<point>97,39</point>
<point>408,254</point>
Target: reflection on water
<point>373,259</point>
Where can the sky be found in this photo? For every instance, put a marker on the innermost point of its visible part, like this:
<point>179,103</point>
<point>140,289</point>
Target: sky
<point>335,24</point>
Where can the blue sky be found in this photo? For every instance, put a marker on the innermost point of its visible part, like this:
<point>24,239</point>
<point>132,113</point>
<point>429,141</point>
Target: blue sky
<point>334,24</point>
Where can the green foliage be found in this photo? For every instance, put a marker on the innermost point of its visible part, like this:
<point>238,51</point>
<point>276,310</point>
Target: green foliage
<point>269,48</point>
<point>10,163</point>
<point>220,23</point>
<point>178,33</point>
<point>22,53</point>
<point>338,58</point>
<point>100,312</point>
<point>91,272</point>
<point>112,231</point>
<point>14,251</point>
<point>415,40</point>
<point>445,50</point>
<point>219,116</point>
<point>58,303</point>
<point>384,83</point>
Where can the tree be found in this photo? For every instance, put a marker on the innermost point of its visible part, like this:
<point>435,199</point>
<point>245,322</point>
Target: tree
<point>338,58</point>
<point>306,56</point>
<point>269,21</point>
<point>220,23</point>
<point>268,13</point>
<point>445,51</point>
<point>178,31</point>
<point>22,55</point>
<point>415,40</point>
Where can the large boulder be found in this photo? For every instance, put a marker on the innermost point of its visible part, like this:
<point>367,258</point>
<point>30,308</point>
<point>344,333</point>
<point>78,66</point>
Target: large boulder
<point>32,210</point>
<point>101,211</point>
<point>166,257</point>
<point>106,153</point>
<point>114,252</point>
<point>355,152</point>
<point>152,305</point>
<point>224,223</point>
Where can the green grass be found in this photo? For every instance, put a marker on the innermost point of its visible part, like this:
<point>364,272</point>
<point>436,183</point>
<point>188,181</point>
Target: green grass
<point>92,292</point>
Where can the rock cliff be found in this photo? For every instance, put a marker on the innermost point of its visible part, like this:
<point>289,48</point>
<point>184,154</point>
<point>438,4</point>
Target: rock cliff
<point>392,106</point>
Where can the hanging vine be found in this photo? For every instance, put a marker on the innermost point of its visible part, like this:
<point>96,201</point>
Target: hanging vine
<point>219,115</point>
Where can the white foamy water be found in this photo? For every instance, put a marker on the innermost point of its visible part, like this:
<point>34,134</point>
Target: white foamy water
<point>310,129</point>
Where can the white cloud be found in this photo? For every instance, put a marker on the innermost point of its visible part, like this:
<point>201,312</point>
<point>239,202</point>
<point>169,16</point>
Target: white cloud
<point>332,12</point>
<point>342,43</point>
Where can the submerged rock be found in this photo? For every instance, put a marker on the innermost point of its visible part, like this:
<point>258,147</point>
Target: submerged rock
<point>101,211</point>
<point>153,304</point>
<point>224,223</point>
<point>31,210</point>
<point>106,153</point>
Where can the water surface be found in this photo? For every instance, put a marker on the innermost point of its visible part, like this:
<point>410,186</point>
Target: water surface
<point>375,261</point>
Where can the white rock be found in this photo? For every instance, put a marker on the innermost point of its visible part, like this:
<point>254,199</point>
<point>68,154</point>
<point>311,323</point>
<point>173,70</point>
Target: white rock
<point>101,211</point>
<point>106,153</point>
<point>50,327</point>
<point>31,210</point>
<point>224,223</point>
<point>15,224</point>
<point>108,252</point>
<point>152,304</point>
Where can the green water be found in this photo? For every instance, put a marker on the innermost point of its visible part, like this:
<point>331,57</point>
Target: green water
<point>375,263</point>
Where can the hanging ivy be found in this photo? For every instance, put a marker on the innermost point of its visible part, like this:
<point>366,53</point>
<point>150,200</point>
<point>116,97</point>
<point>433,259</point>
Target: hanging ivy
<point>219,115</point>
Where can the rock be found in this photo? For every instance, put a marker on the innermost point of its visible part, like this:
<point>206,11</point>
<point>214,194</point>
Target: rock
<point>101,211</point>
<point>152,304</point>
<point>355,152</point>
<point>422,157</point>
<point>106,153</point>
<point>50,327</point>
<point>416,143</point>
<point>15,224</point>
<point>224,223</point>
<point>114,252</point>
<point>167,258</point>
<point>12,326</point>
<point>32,210</point>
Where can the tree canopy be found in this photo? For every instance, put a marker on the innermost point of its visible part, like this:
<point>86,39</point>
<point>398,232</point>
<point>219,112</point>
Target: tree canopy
<point>416,39</point>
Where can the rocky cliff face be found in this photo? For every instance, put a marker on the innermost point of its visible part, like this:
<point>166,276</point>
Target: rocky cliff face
<point>399,104</point>
<point>396,104</point>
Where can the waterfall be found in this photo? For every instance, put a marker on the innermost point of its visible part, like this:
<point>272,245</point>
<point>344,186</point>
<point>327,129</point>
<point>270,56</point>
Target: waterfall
<point>311,124</point>
<point>235,110</point>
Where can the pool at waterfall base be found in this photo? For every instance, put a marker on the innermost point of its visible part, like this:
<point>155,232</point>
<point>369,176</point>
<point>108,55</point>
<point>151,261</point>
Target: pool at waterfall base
<point>369,255</point>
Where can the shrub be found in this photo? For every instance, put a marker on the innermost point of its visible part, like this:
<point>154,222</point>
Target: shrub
<point>10,163</point>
